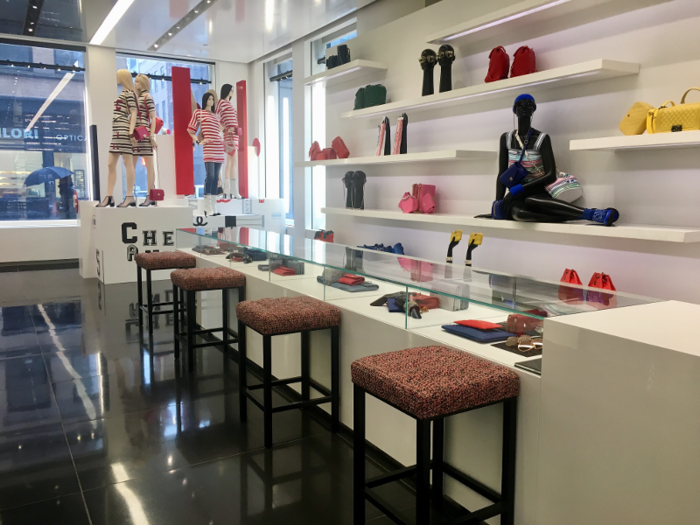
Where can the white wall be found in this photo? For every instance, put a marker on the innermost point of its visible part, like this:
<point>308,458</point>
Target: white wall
<point>53,241</point>
<point>656,187</point>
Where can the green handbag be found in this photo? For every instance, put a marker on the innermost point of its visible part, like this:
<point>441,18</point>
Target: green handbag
<point>369,96</point>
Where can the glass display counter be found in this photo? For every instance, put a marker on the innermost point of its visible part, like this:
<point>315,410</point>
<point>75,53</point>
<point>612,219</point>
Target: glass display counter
<point>499,316</point>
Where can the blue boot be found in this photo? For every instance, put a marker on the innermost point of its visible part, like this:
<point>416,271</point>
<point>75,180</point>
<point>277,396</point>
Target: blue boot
<point>607,216</point>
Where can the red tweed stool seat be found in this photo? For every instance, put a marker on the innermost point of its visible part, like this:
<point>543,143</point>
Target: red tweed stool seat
<point>286,315</point>
<point>165,260</point>
<point>200,279</point>
<point>434,381</point>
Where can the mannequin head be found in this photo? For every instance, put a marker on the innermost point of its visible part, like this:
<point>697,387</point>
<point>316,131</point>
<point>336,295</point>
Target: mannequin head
<point>428,59</point>
<point>524,106</point>
<point>446,55</point>
<point>226,92</point>
<point>124,78</point>
<point>215,95</point>
<point>208,102</point>
<point>142,83</point>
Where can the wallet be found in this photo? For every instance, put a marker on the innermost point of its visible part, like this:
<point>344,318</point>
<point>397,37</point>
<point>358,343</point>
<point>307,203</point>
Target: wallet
<point>426,301</point>
<point>522,323</point>
<point>255,255</point>
<point>283,270</point>
<point>491,336</point>
<point>480,325</point>
<point>351,279</point>
<point>391,302</point>
<point>264,267</point>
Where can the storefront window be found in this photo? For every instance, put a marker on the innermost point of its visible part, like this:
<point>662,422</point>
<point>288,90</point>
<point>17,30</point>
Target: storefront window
<point>43,140</point>
<point>162,93</point>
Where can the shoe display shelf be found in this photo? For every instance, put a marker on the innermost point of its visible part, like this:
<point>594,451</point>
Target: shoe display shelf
<point>683,139</point>
<point>590,71</point>
<point>425,156</point>
<point>509,19</point>
<point>677,235</point>
<point>350,71</point>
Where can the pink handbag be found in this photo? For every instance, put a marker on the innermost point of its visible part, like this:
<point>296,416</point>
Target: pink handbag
<point>408,203</point>
<point>422,200</point>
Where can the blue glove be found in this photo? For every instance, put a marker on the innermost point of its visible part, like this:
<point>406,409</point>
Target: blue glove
<point>518,188</point>
<point>498,211</point>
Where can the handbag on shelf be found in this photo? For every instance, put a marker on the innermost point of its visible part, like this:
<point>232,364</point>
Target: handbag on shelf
<point>604,282</point>
<point>426,301</point>
<point>314,150</point>
<point>384,141</point>
<point>499,64</point>
<point>401,139</point>
<point>368,96</point>
<point>565,188</point>
<point>524,62</point>
<point>450,302</point>
<point>683,117</point>
<point>635,120</point>
<point>341,150</point>
<point>324,235</point>
<point>420,200</point>
<point>570,294</point>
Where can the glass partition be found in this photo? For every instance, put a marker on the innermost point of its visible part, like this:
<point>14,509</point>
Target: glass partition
<point>496,315</point>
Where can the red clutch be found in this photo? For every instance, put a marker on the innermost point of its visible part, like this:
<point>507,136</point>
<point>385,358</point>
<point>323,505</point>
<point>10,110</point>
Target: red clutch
<point>480,325</point>
<point>283,270</point>
<point>156,195</point>
<point>351,279</point>
<point>519,324</point>
<point>426,301</point>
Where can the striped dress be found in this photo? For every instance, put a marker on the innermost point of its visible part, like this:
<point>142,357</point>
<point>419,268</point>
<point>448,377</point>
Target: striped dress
<point>145,104</point>
<point>211,129</point>
<point>532,161</point>
<point>121,139</point>
<point>229,118</point>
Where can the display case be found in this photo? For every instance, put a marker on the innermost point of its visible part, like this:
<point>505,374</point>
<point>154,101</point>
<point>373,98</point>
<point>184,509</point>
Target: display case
<point>498,316</point>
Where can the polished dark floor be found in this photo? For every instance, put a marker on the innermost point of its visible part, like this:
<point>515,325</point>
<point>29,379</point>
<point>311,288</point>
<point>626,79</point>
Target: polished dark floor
<point>99,427</point>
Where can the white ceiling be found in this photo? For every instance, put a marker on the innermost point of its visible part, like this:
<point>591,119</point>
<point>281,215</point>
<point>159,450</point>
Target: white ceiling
<point>232,30</point>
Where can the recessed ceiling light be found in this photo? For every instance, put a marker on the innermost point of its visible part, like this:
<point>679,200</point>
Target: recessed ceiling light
<point>35,7</point>
<point>31,29</point>
<point>169,33</point>
<point>156,45</point>
<point>196,11</point>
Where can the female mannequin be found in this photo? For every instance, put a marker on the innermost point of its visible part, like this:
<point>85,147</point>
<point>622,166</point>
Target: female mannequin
<point>123,141</point>
<point>210,125</point>
<point>529,201</point>
<point>229,119</point>
<point>146,116</point>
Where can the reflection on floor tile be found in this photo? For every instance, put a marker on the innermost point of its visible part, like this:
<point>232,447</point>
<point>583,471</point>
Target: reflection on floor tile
<point>66,510</point>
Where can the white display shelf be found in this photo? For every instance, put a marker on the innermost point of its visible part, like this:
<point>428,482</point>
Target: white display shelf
<point>599,69</point>
<point>633,232</point>
<point>426,156</point>
<point>523,13</point>
<point>349,71</point>
<point>683,139</point>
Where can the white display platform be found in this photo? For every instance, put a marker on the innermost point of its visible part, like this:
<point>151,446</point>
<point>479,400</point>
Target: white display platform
<point>271,211</point>
<point>110,238</point>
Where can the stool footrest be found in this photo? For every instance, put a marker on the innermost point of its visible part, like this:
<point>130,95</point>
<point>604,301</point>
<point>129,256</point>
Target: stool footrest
<point>383,505</point>
<point>318,386</point>
<point>470,482</point>
<point>478,516</point>
<point>302,404</point>
<point>394,475</point>
<point>278,382</point>
<point>144,307</point>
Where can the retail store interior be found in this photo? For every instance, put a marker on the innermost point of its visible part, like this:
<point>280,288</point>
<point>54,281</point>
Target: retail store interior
<point>349,261</point>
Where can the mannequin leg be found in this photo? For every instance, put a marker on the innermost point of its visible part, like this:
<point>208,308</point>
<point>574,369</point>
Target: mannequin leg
<point>111,181</point>
<point>232,175</point>
<point>545,203</point>
<point>521,212</point>
<point>214,187</point>
<point>130,181</point>
<point>151,173</point>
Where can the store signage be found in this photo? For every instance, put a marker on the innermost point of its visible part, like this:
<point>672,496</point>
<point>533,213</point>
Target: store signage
<point>19,133</point>
<point>149,237</point>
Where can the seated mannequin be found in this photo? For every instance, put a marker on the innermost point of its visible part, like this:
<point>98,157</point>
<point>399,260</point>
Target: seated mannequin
<point>529,200</point>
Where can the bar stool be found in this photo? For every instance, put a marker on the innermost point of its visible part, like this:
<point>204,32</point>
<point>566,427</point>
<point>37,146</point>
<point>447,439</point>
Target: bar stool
<point>430,384</point>
<point>157,261</point>
<point>200,280</point>
<point>281,316</point>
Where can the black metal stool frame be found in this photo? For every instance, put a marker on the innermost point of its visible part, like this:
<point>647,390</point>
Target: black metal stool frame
<point>150,305</point>
<point>329,396</point>
<point>503,503</point>
<point>188,318</point>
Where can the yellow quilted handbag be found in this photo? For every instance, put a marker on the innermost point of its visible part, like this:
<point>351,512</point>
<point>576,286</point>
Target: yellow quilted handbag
<point>684,117</point>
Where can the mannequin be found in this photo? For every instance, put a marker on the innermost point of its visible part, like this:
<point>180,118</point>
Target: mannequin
<point>529,200</point>
<point>229,119</point>
<point>146,116</point>
<point>123,141</point>
<point>446,55</point>
<point>209,122</point>
<point>428,59</point>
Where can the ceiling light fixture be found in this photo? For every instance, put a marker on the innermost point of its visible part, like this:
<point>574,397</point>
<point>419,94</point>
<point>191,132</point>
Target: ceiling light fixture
<point>111,21</point>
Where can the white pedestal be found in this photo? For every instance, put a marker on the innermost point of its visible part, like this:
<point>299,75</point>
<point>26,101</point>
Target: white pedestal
<point>86,240</point>
<point>119,234</point>
<point>273,212</point>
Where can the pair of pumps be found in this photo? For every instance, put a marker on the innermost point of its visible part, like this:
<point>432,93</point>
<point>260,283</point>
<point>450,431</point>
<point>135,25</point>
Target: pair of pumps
<point>428,58</point>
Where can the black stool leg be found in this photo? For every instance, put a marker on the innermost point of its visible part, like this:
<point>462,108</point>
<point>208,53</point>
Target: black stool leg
<point>242,377</point>
<point>510,413</point>
<point>423,471</point>
<point>305,365</point>
<point>335,379</point>
<point>224,309</point>
<point>149,294</point>
<point>176,320</point>
<point>241,294</point>
<point>191,319</point>
<point>139,283</point>
<point>267,388</point>
<point>358,483</point>
<point>438,459</point>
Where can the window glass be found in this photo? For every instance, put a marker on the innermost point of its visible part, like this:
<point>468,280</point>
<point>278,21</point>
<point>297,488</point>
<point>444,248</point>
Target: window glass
<point>162,93</point>
<point>43,142</point>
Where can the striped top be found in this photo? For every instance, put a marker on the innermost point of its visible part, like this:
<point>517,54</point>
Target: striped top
<point>145,106</point>
<point>124,104</point>
<point>211,129</point>
<point>229,118</point>
<point>532,161</point>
